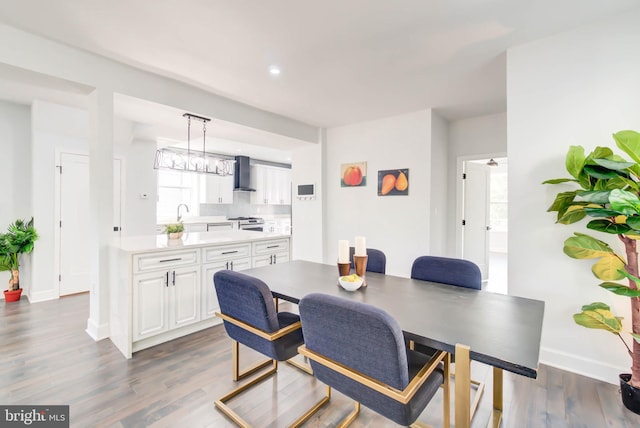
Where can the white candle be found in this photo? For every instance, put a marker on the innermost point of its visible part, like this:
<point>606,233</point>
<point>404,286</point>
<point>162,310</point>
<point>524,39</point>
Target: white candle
<point>361,246</point>
<point>343,251</point>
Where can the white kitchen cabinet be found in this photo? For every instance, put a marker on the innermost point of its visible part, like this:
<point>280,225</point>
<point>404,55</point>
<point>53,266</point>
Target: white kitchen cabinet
<point>272,184</point>
<point>270,252</point>
<point>218,189</point>
<point>164,300</point>
<point>210,299</point>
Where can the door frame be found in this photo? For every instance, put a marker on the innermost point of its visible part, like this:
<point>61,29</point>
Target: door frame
<point>58,208</point>
<point>460,192</point>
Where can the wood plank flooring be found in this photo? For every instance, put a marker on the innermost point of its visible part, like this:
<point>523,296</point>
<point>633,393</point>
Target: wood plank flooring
<point>47,358</point>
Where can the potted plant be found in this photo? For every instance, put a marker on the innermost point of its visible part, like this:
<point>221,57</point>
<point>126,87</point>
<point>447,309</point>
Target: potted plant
<point>174,230</point>
<point>19,239</point>
<point>608,196</point>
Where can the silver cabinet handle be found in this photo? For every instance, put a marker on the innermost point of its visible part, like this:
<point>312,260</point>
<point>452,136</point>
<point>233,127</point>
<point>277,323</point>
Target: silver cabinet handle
<point>275,259</point>
<point>232,265</point>
<point>273,246</point>
<point>227,265</point>
<point>170,260</point>
<point>166,279</point>
<point>174,278</point>
<point>230,252</point>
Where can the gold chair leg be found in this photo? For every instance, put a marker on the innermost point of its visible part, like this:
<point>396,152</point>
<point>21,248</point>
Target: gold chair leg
<point>307,415</point>
<point>479,387</point>
<point>496,415</point>
<point>446,393</point>
<point>351,416</point>
<point>463,387</point>
<point>220,403</point>
<point>300,366</point>
<point>235,356</point>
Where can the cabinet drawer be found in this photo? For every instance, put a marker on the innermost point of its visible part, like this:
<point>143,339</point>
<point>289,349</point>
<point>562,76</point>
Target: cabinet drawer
<point>267,247</point>
<point>225,252</point>
<point>166,260</point>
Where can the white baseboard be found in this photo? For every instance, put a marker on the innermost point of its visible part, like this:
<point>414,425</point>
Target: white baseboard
<point>42,296</point>
<point>582,366</point>
<point>96,331</point>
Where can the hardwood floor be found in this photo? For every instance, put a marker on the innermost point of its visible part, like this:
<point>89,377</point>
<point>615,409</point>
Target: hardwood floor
<point>47,358</point>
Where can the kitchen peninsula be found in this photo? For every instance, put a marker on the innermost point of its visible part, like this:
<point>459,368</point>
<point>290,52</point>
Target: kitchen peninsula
<point>163,289</point>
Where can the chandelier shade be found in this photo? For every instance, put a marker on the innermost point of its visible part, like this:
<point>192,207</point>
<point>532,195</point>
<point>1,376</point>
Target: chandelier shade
<point>187,160</point>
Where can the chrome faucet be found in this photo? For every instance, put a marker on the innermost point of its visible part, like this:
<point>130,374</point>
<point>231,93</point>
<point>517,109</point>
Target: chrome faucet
<point>182,205</point>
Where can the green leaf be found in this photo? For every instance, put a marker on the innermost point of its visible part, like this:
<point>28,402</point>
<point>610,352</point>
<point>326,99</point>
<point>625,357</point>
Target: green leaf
<point>596,197</point>
<point>571,215</point>
<point>600,172</point>
<point>595,305</point>
<point>619,182</point>
<point>599,318</point>
<point>562,201</point>
<point>559,180</point>
<point>613,164</point>
<point>608,268</point>
<point>607,226</point>
<point>599,153</point>
<point>636,337</point>
<point>621,290</point>
<point>583,246</point>
<point>600,212</point>
<point>575,161</point>
<point>631,277</point>
<point>629,182</point>
<point>629,142</point>
<point>634,222</point>
<point>625,202</point>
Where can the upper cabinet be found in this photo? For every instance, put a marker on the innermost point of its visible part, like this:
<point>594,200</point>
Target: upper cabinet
<point>217,189</point>
<point>272,184</point>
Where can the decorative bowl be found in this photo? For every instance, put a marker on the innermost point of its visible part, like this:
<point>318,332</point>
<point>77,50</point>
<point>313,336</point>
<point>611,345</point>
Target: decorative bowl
<point>350,285</point>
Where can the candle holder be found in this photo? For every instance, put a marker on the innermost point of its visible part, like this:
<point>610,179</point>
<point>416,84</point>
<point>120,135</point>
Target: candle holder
<point>361,267</point>
<point>344,269</point>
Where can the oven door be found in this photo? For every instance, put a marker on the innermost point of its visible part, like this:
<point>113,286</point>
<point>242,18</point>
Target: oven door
<point>254,227</point>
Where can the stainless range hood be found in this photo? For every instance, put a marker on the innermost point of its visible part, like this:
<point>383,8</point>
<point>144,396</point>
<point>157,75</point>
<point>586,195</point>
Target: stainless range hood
<point>242,176</point>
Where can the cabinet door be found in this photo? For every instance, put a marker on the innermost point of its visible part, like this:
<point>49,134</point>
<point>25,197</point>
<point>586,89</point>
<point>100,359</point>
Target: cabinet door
<point>286,187</point>
<point>225,190</point>
<point>258,182</point>
<point>210,300</point>
<point>149,304</point>
<point>184,286</point>
<point>218,189</point>
<point>263,260</point>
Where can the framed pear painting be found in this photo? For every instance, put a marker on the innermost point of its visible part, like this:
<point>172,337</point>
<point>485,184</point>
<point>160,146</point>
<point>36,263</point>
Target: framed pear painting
<point>393,182</point>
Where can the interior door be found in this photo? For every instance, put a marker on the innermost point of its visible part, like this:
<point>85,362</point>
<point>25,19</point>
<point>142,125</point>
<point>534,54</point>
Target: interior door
<point>74,221</point>
<point>475,229</point>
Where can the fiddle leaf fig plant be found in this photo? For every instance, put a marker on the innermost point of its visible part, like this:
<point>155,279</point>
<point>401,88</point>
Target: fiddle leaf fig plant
<point>608,197</point>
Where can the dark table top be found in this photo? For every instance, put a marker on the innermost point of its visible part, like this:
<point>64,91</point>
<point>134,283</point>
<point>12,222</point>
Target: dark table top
<point>502,331</point>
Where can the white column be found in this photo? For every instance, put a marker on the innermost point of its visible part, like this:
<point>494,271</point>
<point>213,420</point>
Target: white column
<point>100,208</point>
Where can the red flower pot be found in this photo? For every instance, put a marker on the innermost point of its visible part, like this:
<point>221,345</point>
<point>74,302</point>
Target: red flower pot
<point>12,295</point>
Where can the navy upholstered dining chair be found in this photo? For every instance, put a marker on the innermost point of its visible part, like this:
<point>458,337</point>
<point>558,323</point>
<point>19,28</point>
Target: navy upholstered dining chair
<point>250,318</point>
<point>450,271</point>
<point>393,381</point>
<point>376,261</point>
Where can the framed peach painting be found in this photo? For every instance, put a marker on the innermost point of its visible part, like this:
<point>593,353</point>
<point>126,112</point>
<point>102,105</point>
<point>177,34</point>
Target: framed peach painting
<point>353,174</point>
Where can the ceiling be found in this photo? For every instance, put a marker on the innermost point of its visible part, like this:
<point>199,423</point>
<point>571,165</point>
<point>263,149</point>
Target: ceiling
<point>342,61</point>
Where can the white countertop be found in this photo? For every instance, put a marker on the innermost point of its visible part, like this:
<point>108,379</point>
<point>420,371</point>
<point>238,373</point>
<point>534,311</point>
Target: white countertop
<point>199,219</point>
<point>141,244</point>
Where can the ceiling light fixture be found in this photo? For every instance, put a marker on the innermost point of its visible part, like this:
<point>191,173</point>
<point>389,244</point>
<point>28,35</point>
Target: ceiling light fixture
<point>274,70</point>
<point>492,162</point>
<point>178,159</point>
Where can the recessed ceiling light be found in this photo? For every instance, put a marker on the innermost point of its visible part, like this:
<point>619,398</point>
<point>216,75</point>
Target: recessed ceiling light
<point>274,70</point>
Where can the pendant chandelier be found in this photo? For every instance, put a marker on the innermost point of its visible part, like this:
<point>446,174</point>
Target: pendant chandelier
<point>178,159</point>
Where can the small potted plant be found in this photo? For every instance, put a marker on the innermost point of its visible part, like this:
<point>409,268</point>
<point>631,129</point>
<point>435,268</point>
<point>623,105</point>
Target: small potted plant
<point>19,239</point>
<point>174,230</point>
<point>608,196</point>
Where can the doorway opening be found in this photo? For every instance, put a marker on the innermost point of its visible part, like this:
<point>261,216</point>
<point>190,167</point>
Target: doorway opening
<point>484,218</point>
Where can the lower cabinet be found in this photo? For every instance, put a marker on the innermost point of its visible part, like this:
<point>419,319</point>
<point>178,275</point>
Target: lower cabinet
<point>270,259</point>
<point>270,252</point>
<point>164,300</point>
<point>210,300</point>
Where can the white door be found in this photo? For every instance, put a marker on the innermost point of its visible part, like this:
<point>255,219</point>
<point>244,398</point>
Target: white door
<point>74,221</point>
<point>74,224</point>
<point>475,229</point>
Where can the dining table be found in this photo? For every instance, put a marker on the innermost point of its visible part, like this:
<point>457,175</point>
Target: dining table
<point>500,330</point>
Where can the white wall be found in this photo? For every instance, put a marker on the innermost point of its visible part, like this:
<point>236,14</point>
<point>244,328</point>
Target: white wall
<point>482,136</point>
<point>15,173</point>
<point>439,195</point>
<point>307,215</point>
<point>397,225</point>
<point>578,87</point>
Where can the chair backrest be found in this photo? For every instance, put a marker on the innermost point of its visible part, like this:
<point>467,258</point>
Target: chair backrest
<point>348,332</point>
<point>247,299</point>
<point>458,272</point>
<point>376,261</point>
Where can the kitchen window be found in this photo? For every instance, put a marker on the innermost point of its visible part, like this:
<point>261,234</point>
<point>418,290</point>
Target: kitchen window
<point>176,188</point>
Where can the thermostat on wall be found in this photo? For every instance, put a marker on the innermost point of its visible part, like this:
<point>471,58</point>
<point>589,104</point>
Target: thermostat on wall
<point>306,192</point>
